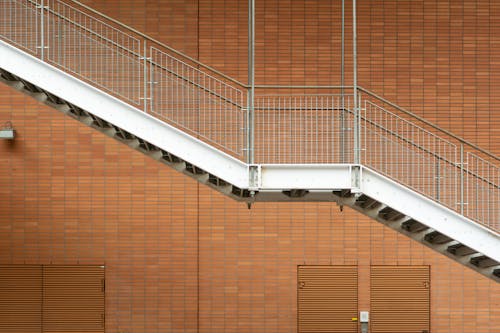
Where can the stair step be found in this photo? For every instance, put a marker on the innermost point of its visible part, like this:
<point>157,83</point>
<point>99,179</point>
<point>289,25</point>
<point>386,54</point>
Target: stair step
<point>217,181</point>
<point>366,202</point>
<point>460,250</point>
<point>101,123</point>
<point>242,193</point>
<point>343,193</point>
<point>75,111</point>
<point>194,169</point>
<point>146,146</point>
<point>413,226</point>
<point>390,214</point>
<point>8,76</point>
<point>31,87</point>
<point>436,237</point>
<point>296,193</point>
<point>483,262</point>
<point>53,98</point>
<point>122,134</point>
<point>170,158</point>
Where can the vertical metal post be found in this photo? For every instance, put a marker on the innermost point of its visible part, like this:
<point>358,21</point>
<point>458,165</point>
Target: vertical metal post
<point>438,181</point>
<point>42,31</point>
<point>357,147</point>
<point>342,83</point>
<point>251,82</point>
<point>342,56</point>
<point>462,178</point>
<point>145,76</point>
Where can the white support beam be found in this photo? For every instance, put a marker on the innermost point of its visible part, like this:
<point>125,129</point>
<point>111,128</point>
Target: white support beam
<point>305,176</point>
<point>430,213</point>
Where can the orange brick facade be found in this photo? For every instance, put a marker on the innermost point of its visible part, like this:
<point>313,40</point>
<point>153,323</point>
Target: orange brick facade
<point>182,258</point>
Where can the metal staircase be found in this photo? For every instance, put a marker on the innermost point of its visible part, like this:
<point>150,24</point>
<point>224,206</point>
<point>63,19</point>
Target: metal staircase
<point>412,176</point>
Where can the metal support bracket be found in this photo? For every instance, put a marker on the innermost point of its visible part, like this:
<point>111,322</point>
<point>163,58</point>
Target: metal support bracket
<point>254,172</point>
<point>356,171</point>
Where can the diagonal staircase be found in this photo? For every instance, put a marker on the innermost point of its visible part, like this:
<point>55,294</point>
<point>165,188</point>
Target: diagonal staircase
<point>367,154</point>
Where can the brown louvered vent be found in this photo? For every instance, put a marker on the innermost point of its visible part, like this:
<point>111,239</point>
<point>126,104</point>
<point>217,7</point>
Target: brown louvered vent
<point>51,299</point>
<point>20,299</point>
<point>400,299</point>
<point>73,299</point>
<point>327,299</point>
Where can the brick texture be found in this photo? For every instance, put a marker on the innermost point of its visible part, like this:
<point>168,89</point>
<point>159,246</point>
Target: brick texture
<point>182,258</point>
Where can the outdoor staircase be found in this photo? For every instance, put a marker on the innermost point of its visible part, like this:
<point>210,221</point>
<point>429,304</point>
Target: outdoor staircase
<point>410,177</point>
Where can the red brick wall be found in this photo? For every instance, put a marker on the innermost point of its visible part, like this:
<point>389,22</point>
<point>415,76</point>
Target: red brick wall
<point>181,257</point>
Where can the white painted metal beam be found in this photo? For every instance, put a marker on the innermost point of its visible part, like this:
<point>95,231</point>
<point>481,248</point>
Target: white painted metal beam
<point>430,213</point>
<point>305,176</point>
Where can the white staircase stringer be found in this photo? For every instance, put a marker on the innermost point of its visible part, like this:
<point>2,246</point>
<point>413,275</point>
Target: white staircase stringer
<point>123,115</point>
<point>432,214</point>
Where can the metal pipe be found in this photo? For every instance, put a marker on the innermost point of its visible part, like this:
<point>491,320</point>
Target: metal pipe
<point>277,86</point>
<point>462,198</point>
<point>251,81</point>
<point>357,149</point>
<point>42,31</point>
<point>342,79</point>
<point>342,56</point>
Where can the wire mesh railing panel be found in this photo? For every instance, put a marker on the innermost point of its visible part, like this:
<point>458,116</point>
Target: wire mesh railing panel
<point>482,191</point>
<point>20,22</point>
<point>198,103</point>
<point>303,129</point>
<point>93,50</point>
<point>409,154</point>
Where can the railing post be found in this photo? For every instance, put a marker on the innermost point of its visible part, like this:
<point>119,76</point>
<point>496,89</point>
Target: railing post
<point>357,149</point>
<point>462,203</point>
<point>145,77</point>
<point>42,30</point>
<point>251,84</point>
<point>342,92</point>
<point>438,180</point>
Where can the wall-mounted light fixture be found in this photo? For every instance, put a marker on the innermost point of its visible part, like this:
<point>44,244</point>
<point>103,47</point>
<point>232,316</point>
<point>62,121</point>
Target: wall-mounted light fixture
<point>7,131</point>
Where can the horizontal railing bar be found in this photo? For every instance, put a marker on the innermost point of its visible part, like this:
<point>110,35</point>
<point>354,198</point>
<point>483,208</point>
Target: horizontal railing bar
<point>429,123</point>
<point>266,86</point>
<point>112,42</point>
<point>297,109</point>
<point>409,122</point>
<point>198,85</point>
<point>123,25</point>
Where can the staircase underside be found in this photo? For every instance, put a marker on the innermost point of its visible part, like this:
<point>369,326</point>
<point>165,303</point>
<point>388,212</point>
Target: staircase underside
<point>351,185</point>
